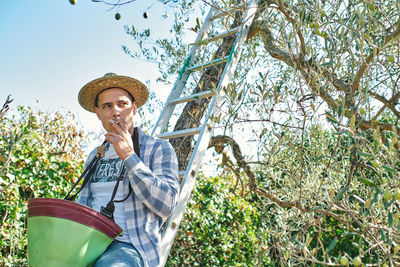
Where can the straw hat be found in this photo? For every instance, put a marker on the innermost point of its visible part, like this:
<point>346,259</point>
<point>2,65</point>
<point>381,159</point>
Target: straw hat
<point>88,93</point>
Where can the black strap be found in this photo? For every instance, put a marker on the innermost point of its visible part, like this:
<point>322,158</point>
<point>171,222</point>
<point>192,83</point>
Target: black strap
<point>87,173</point>
<point>108,211</point>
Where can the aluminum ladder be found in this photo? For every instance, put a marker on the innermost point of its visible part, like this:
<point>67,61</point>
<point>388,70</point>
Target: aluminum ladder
<point>205,130</point>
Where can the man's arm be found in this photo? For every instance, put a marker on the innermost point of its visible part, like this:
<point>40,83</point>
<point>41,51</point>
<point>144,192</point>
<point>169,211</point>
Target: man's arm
<point>157,186</point>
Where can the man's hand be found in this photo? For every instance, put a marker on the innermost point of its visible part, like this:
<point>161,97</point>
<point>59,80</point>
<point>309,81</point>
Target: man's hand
<point>121,139</point>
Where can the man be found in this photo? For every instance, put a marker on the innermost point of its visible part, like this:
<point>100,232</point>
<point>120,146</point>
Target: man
<point>153,177</point>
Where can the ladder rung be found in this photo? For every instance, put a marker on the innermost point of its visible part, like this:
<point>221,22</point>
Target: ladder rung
<point>221,35</point>
<point>208,64</point>
<point>226,12</point>
<point>217,37</point>
<point>191,97</point>
<point>180,133</point>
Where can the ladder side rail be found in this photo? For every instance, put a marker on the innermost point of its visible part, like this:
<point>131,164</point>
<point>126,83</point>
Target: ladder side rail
<point>168,109</point>
<point>172,224</point>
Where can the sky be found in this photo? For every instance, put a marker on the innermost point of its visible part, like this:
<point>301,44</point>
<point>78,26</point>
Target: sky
<point>49,49</point>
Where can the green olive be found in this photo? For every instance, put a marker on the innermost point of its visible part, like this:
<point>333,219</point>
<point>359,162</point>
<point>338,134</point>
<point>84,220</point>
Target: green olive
<point>344,261</point>
<point>387,195</point>
<point>357,261</point>
<point>397,194</point>
<point>375,164</point>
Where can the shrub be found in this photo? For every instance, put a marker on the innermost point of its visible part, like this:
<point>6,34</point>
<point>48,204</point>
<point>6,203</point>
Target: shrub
<point>40,157</point>
<point>219,228</point>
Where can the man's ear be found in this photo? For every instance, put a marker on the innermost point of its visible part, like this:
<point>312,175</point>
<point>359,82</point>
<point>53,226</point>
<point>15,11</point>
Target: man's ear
<point>134,108</point>
<point>96,110</point>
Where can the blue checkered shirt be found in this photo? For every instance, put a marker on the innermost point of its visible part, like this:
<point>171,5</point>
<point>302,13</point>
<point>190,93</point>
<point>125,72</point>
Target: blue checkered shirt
<point>154,179</point>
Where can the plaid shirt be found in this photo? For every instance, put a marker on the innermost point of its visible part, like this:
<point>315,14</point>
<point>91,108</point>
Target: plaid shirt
<point>155,183</point>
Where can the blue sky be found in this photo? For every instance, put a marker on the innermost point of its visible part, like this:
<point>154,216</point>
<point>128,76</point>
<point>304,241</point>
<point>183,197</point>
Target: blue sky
<point>50,49</point>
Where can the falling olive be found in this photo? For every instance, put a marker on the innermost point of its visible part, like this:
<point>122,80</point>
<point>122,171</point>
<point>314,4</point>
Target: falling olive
<point>145,15</point>
<point>117,16</point>
<point>73,2</point>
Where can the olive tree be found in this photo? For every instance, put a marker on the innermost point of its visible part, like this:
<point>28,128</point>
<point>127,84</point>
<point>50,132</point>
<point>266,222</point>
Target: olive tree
<point>315,98</point>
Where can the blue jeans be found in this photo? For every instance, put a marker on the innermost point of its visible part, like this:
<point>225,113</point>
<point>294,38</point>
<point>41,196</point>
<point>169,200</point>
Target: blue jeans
<point>120,254</point>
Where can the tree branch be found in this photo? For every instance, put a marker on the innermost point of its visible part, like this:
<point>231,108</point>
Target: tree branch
<point>317,90</point>
<point>219,141</point>
<point>293,62</point>
<point>117,4</point>
<point>303,259</point>
<point>391,103</point>
<point>364,125</point>
<point>364,66</point>
<point>273,50</point>
<point>6,106</point>
<point>270,121</point>
<point>299,34</point>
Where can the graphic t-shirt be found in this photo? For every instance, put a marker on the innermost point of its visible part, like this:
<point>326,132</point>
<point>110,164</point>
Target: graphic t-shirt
<point>105,176</point>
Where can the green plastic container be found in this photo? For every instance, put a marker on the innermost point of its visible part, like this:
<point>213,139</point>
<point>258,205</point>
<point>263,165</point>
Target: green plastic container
<point>64,233</point>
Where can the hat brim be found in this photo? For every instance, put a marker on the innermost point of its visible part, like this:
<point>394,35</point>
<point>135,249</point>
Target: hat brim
<point>87,95</point>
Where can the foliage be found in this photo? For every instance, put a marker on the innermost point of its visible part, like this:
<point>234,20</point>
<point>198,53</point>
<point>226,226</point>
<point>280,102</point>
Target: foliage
<point>220,228</point>
<point>338,214</point>
<point>40,157</point>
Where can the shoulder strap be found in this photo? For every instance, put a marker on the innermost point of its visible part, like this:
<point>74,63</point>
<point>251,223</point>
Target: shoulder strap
<point>109,210</point>
<point>87,173</point>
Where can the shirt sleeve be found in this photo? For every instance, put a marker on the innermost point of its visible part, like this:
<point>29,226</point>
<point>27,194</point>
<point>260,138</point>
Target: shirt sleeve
<point>156,185</point>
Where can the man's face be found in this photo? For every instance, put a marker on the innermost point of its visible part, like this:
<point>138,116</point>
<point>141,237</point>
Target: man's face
<point>114,103</point>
